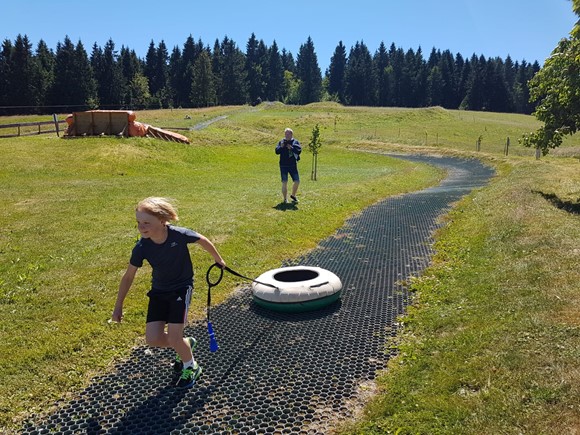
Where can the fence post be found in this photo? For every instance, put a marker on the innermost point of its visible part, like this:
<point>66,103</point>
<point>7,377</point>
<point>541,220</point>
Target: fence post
<point>55,119</point>
<point>478,143</point>
<point>507,146</point>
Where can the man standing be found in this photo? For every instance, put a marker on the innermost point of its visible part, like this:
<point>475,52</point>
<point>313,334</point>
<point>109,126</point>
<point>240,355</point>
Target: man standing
<point>289,150</point>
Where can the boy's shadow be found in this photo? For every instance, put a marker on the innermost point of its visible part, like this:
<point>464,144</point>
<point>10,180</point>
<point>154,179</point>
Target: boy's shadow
<point>283,206</point>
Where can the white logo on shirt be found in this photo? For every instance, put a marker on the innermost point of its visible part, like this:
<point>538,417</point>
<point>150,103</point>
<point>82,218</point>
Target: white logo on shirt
<point>173,244</point>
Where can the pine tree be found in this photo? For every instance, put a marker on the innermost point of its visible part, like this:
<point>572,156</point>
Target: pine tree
<point>336,73</point>
<point>176,77</point>
<point>108,75</point>
<point>463,81</point>
<point>381,65</point>
<point>254,69</point>
<point>419,74</point>
<point>447,68</point>
<point>264,62</point>
<point>24,76</point>
<point>202,87</point>
<point>288,61</point>
<point>138,92</point>
<point>130,67</point>
<point>406,81</point>
<point>45,61</point>
<point>275,85</point>
<point>475,94</point>
<point>524,74</point>
<point>157,73</point>
<point>150,68</point>
<point>74,85</point>
<point>216,68</point>
<point>458,66</point>
<point>435,87</point>
<point>162,76</point>
<point>180,73</point>
<point>496,91</point>
<point>434,59</point>
<point>130,64</point>
<point>308,72</point>
<point>360,79</point>
<point>232,74</point>
<point>397,63</point>
<point>87,86</point>
<point>5,55</point>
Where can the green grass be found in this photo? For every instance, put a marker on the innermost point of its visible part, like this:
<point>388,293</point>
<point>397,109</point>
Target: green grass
<point>490,345</point>
<point>69,226</point>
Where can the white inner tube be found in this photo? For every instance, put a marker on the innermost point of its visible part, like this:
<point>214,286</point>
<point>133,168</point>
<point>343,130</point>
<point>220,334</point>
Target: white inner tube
<point>296,284</point>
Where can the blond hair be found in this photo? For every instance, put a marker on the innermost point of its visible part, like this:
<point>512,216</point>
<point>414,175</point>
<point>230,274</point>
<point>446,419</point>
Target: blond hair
<point>158,207</point>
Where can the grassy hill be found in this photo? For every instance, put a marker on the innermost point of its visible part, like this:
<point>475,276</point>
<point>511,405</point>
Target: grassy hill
<point>491,341</point>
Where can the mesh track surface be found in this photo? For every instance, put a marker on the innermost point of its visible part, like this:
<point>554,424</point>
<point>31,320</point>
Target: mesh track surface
<point>283,372</point>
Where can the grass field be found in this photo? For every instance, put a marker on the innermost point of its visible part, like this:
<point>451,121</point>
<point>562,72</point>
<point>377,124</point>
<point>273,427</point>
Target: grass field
<point>491,342</point>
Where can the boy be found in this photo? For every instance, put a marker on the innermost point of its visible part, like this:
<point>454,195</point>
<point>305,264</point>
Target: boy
<point>164,246</point>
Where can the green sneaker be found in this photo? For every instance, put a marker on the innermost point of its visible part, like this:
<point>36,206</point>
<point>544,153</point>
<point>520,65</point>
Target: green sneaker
<point>188,376</point>
<point>178,364</point>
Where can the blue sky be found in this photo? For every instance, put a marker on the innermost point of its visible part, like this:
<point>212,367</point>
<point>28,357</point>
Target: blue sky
<point>523,29</point>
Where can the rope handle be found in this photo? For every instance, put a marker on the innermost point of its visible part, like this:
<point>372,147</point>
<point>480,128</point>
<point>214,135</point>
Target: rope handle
<point>207,275</point>
<point>211,284</point>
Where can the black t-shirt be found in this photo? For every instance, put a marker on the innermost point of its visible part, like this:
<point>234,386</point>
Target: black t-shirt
<point>170,261</point>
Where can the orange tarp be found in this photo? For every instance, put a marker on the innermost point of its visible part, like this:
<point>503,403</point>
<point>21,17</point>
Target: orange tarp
<point>115,123</point>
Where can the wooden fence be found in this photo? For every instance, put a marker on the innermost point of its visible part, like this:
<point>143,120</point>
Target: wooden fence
<point>33,128</point>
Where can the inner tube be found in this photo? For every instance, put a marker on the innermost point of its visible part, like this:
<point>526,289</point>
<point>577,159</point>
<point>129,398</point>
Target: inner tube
<point>296,289</point>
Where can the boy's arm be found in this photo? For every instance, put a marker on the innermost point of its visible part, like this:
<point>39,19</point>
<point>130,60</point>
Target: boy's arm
<point>210,248</point>
<point>124,287</point>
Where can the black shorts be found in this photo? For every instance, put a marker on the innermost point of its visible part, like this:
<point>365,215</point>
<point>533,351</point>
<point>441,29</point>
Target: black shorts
<point>169,307</point>
<point>292,170</point>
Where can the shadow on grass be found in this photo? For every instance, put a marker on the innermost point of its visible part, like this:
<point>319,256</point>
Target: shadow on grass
<point>283,206</point>
<point>568,206</point>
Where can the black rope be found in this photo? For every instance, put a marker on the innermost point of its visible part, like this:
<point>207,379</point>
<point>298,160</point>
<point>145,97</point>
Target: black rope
<point>211,284</point>
<point>233,272</point>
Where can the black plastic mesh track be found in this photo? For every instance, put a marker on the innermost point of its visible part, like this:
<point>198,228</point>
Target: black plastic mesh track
<point>283,372</point>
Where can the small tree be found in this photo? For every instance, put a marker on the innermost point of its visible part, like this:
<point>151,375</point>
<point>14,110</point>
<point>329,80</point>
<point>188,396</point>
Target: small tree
<point>314,145</point>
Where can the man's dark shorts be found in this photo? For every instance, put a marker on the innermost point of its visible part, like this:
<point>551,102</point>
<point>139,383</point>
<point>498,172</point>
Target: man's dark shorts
<point>170,307</point>
<point>292,170</point>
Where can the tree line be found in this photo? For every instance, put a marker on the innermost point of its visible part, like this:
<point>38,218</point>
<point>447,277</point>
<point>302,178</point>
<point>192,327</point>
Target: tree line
<point>196,75</point>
